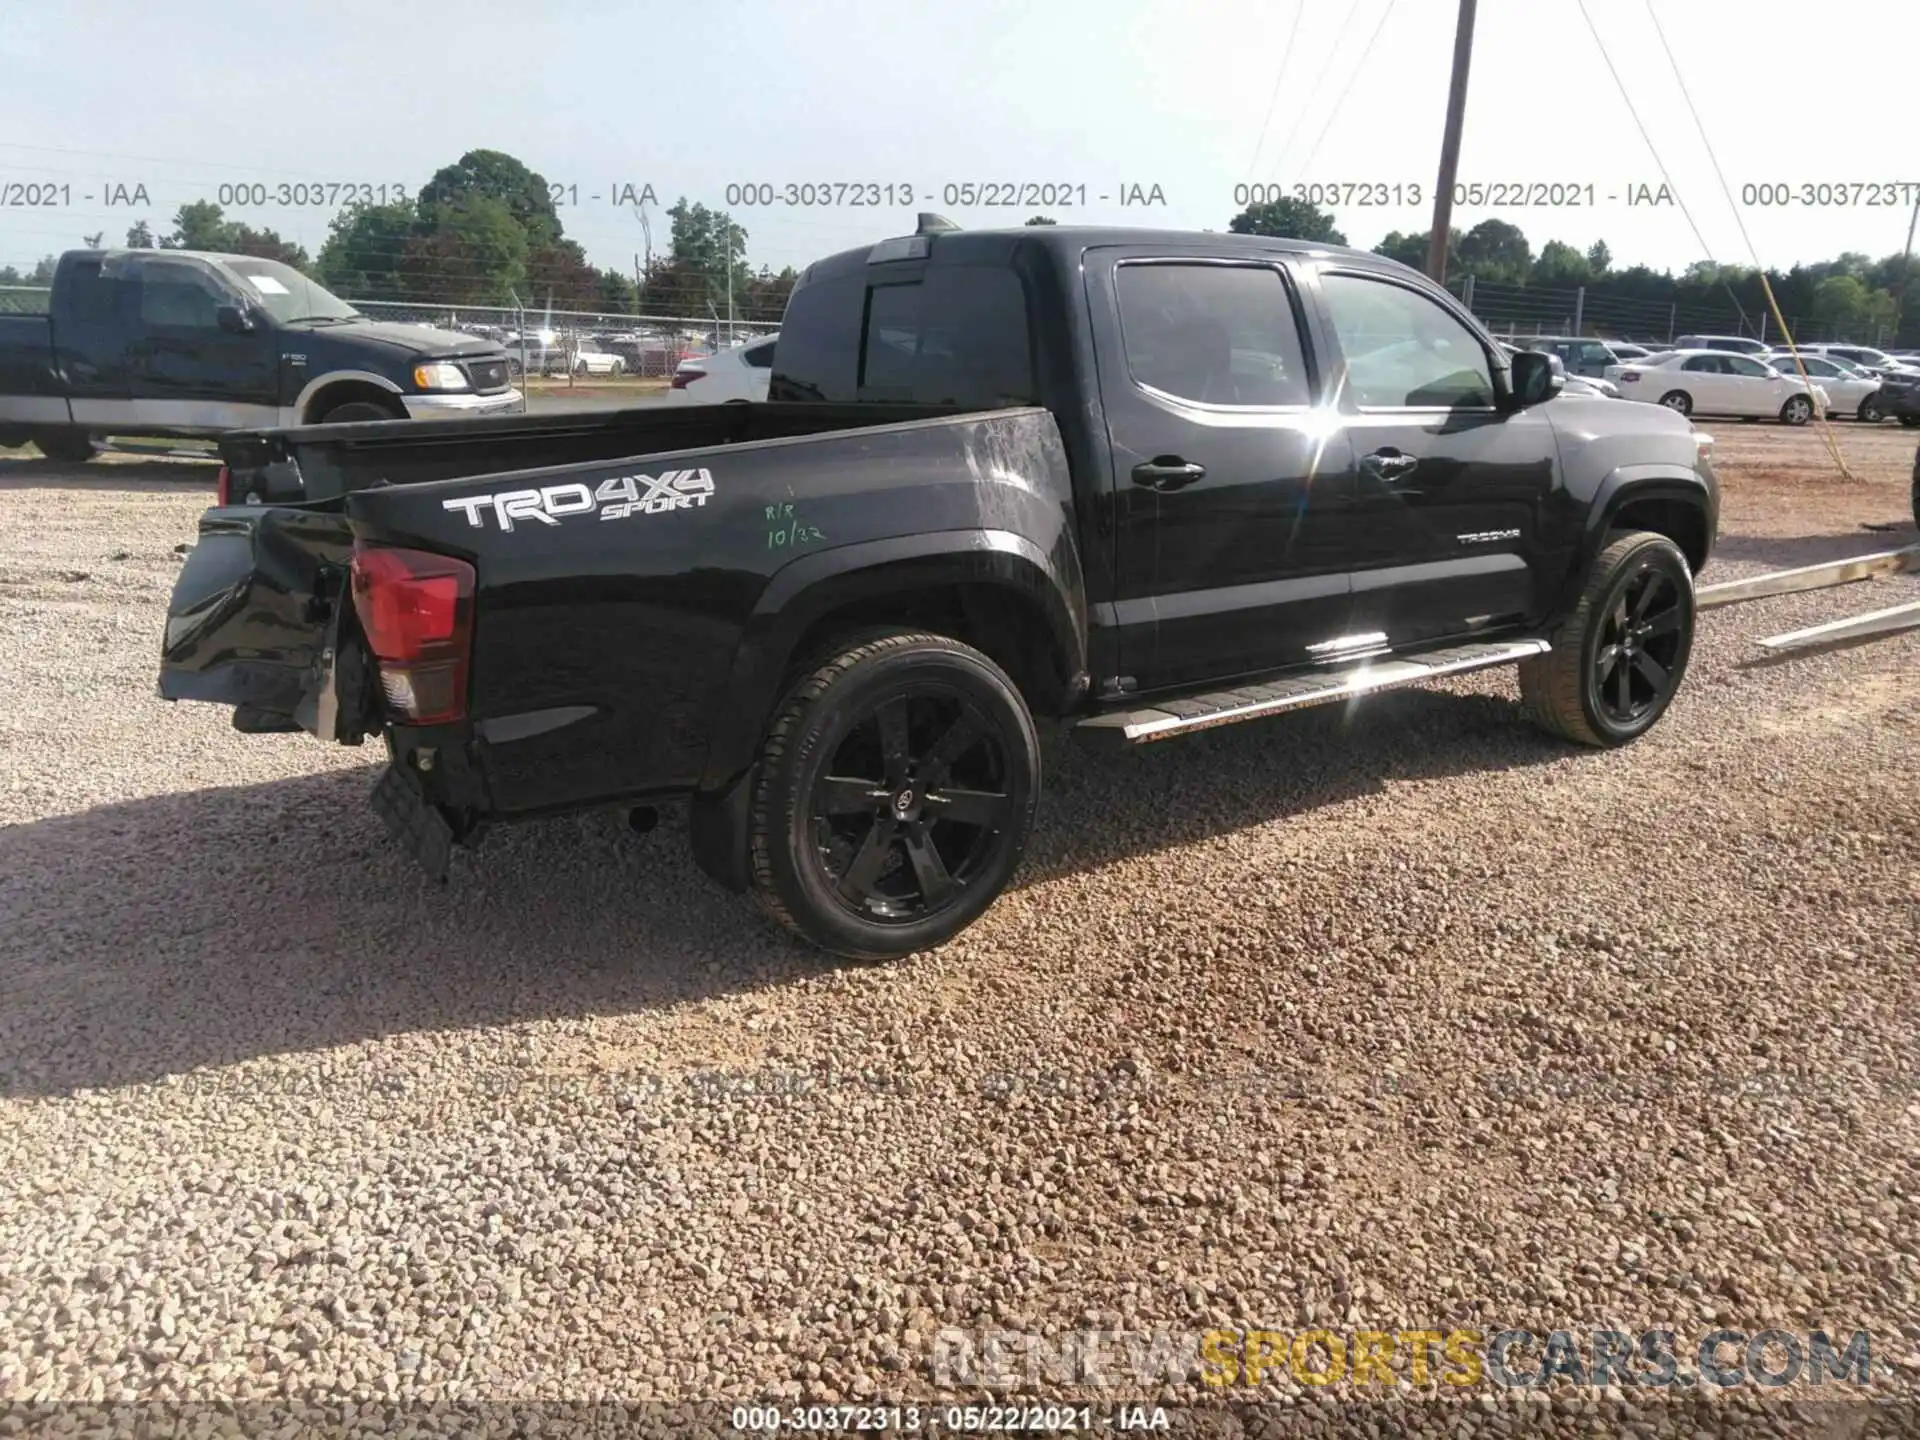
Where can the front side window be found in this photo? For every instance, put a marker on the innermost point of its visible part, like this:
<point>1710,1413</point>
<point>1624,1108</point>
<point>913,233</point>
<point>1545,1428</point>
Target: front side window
<point>1748,366</point>
<point>1212,334</point>
<point>760,356</point>
<point>178,297</point>
<point>1403,350</point>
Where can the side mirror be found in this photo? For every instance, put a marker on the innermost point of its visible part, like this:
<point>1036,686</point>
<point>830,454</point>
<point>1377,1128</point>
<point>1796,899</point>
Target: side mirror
<point>1536,377</point>
<point>233,320</point>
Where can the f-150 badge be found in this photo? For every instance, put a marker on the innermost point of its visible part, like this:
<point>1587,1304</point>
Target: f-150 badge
<point>614,499</point>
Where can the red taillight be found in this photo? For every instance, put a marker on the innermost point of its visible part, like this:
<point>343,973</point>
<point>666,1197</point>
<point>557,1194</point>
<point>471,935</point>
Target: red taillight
<point>684,378</point>
<point>416,610</point>
<point>1629,374</point>
<point>223,487</point>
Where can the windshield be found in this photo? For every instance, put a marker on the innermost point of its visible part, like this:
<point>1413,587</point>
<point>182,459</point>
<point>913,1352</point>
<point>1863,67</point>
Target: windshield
<point>286,294</point>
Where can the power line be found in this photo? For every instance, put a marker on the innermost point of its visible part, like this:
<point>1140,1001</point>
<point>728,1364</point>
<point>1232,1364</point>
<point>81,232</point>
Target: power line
<point>1659,164</point>
<point>1346,24</point>
<point>1347,89</point>
<point>1273,101</point>
<point>1753,252</point>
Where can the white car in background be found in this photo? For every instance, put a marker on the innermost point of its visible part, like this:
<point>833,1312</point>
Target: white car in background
<point>741,373</point>
<point>1850,390</point>
<point>1862,357</point>
<point>1718,382</point>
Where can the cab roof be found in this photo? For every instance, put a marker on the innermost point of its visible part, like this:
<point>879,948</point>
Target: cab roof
<point>1069,242</point>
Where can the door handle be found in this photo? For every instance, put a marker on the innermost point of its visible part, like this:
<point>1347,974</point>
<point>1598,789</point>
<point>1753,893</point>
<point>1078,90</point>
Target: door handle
<point>1388,464</point>
<point>1167,472</point>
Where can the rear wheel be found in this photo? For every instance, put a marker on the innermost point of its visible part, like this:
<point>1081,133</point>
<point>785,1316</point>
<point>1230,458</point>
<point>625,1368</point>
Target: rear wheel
<point>1797,411</point>
<point>894,797</point>
<point>71,447</point>
<point>1620,656</point>
<point>1678,400</point>
<point>1911,421</point>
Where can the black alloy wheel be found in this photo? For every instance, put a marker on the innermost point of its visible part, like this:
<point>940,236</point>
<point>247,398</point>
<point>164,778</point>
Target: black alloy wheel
<point>1640,641</point>
<point>913,806</point>
<point>894,795</point>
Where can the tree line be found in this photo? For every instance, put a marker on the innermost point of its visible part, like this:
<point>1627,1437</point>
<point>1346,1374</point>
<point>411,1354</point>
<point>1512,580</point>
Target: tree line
<point>484,231</point>
<point>1851,294</point>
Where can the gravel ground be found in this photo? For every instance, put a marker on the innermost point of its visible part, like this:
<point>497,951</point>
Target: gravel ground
<point>1405,1018</point>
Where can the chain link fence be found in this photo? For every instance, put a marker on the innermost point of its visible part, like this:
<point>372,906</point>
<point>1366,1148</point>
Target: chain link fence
<point>1521,311</point>
<point>573,342</point>
<point>24,299</point>
<point>555,341</point>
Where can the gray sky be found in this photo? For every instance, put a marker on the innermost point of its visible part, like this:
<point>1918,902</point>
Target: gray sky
<point>187,96</point>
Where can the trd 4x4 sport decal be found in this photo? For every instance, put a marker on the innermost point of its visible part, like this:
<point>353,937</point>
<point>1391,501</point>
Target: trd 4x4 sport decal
<point>614,499</point>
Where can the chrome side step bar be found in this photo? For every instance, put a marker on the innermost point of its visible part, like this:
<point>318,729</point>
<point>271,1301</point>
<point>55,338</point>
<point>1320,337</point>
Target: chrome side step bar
<point>1808,577</point>
<point>1165,719</point>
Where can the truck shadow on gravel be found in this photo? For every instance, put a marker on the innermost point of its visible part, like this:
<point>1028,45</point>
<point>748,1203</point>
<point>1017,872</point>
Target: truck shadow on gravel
<point>130,475</point>
<point>157,936</point>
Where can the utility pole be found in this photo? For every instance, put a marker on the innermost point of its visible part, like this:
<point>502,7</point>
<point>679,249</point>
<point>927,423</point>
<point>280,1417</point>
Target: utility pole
<point>1906,270</point>
<point>1450,146</point>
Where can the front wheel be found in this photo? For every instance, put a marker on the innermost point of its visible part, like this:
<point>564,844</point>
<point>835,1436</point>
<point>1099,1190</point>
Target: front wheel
<point>1797,411</point>
<point>1678,400</point>
<point>356,411</point>
<point>1911,421</point>
<point>894,797</point>
<point>1869,411</point>
<point>1620,656</point>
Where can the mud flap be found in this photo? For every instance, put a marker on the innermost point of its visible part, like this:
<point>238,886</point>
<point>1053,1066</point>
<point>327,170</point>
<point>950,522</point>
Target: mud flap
<point>413,820</point>
<point>717,826</point>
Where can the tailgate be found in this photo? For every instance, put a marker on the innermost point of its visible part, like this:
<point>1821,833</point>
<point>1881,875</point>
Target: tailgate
<point>255,620</point>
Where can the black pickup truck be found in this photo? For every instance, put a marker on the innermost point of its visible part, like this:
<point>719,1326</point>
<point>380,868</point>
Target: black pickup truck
<point>1143,483</point>
<point>184,343</point>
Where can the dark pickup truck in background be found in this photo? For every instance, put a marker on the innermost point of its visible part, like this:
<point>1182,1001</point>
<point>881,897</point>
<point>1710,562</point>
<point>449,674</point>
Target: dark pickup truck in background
<point>182,343</point>
<point>1141,482</point>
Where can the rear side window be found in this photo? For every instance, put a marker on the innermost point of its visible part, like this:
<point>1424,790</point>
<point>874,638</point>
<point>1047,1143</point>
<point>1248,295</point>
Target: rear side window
<point>760,357</point>
<point>1212,334</point>
<point>958,335</point>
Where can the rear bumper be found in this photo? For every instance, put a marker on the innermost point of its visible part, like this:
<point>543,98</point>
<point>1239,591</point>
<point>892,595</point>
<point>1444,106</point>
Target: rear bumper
<point>442,407</point>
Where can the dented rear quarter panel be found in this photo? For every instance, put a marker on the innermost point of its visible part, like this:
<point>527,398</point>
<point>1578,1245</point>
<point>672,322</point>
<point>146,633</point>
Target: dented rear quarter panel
<point>629,654</point>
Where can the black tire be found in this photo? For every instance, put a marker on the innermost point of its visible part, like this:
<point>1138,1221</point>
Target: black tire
<point>1797,411</point>
<point>355,410</point>
<point>70,447</point>
<point>1869,411</point>
<point>1678,400</point>
<point>1911,421</point>
<point>848,846</point>
<point>1640,585</point>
